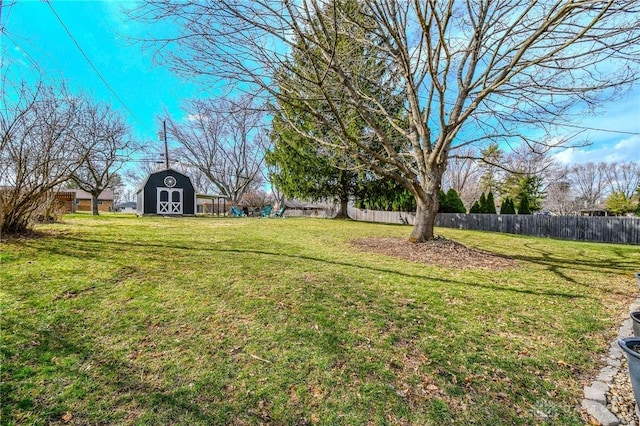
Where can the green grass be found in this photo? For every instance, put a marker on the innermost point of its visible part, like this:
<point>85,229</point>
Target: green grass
<point>123,320</point>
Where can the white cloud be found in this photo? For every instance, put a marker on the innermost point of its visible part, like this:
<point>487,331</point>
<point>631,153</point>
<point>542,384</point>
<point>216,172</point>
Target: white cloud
<point>627,149</point>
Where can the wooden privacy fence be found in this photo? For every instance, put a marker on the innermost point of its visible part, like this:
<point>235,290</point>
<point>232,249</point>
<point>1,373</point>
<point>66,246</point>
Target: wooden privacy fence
<point>617,230</point>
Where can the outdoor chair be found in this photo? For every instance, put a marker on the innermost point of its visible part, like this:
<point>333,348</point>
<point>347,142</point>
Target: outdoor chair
<point>236,212</point>
<point>265,212</point>
<point>280,212</point>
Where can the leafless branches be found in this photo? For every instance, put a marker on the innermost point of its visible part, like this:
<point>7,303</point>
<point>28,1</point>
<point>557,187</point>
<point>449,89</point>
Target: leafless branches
<point>468,72</point>
<point>39,150</point>
<point>225,141</point>
<point>103,135</point>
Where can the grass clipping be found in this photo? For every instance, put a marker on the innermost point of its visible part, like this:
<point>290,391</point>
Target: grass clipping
<point>441,252</point>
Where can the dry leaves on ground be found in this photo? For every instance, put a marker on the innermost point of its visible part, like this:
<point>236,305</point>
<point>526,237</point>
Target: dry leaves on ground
<point>441,252</point>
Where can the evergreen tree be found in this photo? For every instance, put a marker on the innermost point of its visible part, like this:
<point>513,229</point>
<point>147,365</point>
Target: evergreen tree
<point>490,206</point>
<point>299,171</point>
<point>303,168</point>
<point>475,208</point>
<point>383,194</point>
<point>442,202</point>
<point>492,155</point>
<point>454,203</point>
<point>523,208</point>
<point>516,185</point>
<point>507,206</point>
<point>483,203</point>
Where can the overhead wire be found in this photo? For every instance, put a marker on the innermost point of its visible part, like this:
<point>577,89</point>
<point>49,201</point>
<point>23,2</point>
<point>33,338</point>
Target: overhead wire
<point>25,53</point>
<point>95,69</point>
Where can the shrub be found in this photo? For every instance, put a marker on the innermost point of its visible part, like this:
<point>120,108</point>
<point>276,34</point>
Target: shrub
<point>490,206</point>
<point>483,203</point>
<point>450,202</point>
<point>455,203</point>
<point>507,206</point>
<point>523,208</point>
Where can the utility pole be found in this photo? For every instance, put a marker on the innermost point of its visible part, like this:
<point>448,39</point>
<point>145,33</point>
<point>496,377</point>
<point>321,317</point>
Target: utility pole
<point>166,149</point>
<point>163,136</point>
<point>1,32</point>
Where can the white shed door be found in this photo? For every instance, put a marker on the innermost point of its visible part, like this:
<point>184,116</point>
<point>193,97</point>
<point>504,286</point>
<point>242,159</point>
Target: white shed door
<point>169,201</point>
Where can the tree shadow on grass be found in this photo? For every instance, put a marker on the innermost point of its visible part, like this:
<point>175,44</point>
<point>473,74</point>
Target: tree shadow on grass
<point>559,266</point>
<point>82,249</point>
<point>47,360</point>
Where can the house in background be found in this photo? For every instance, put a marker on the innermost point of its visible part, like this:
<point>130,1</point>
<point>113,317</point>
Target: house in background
<point>128,207</point>
<point>77,200</point>
<point>83,201</point>
<point>167,192</point>
<point>309,209</point>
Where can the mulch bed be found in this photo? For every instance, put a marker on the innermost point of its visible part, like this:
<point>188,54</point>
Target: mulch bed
<point>440,252</point>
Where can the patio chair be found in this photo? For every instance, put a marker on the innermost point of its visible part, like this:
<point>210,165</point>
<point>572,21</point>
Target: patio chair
<point>236,212</point>
<point>266,211</point>
<point>280,212</point>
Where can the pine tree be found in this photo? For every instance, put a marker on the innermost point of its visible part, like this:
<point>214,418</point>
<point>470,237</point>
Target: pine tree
<point>454,203</point>
<point>507,206</point>
<point>301,168</point>
<point>523,208</point>
<point>483,203</point>
<point>475,208</point>
<point>490,207</point>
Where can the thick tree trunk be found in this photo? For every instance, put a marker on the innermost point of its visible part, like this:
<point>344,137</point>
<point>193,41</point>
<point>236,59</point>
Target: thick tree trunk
<point>427,199</point>
<point>343,211</point>
<point>425,222</point>
<point>94,205</point>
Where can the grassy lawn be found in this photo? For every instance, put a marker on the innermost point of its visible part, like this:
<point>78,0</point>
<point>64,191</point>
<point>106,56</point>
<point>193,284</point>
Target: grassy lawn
<point>124,320</point>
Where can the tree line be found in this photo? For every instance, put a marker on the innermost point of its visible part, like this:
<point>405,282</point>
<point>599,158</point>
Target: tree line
<point>48,137</point>
<point>386,102</point>
<point>387,89</point>
<point>543,184</point>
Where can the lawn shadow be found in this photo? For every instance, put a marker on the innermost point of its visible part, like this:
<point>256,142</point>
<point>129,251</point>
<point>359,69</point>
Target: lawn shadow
<point>80,252</point>
<point>558,265</point>
<point>81,366</point>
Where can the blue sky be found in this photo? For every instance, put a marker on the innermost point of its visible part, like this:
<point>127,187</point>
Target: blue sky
<point>34,34</point>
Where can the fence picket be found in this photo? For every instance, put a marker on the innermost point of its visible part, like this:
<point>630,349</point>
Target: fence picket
<point>617,230</point>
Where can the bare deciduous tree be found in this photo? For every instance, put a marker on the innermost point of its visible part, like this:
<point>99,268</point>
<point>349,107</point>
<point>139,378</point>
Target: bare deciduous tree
<point>104,136</point>
<point>468,71</point>
<point>623,178</point>
<point>589,183</point>
<point>463,175</point>
<point>561,198</point>
<point>147,162</point>
<point>38,151</point>
<point>224,140</point>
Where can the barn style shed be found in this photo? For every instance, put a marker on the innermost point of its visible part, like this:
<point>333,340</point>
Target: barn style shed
<point>167,192</point>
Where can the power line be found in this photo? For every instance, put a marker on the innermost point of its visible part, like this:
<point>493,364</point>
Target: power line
<point>25,53</point>
<point>622,132</point>
<point>94,67</point>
